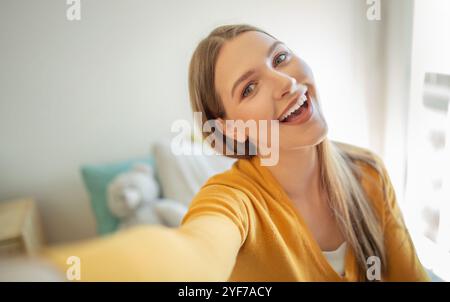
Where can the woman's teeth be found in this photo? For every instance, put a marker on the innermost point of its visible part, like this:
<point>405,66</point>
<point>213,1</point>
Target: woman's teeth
<point>301,100</point>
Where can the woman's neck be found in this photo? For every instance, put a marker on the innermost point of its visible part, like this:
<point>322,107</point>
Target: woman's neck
<point>298,173</point>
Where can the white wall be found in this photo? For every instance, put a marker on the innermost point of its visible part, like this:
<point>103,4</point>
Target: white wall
<point>106,87</point>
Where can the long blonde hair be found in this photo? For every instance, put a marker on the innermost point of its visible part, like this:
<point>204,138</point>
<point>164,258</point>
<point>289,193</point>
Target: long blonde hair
<point>339,174</point>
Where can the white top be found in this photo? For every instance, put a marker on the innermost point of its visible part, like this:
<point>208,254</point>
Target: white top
<point>337,258</point>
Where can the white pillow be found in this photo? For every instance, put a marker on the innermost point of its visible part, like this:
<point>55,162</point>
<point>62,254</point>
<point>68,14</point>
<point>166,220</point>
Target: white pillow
<point>170,212</point>
<point>181,176</point>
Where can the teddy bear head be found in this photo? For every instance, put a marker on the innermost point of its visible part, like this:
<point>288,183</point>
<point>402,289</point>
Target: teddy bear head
<point>129,190</point>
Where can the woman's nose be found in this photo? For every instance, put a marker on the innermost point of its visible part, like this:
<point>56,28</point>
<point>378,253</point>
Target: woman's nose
<point>287,86</point>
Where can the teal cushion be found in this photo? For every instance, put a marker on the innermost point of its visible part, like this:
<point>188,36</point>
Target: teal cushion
<point>96,179</point>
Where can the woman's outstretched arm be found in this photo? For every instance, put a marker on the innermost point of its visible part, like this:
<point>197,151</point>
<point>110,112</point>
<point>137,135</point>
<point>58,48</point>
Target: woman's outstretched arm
<point>202,249</point>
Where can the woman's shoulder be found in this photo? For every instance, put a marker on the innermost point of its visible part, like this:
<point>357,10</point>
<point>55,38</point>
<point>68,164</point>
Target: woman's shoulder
<point>223,194</point>
<point>241,183</point>
<point>354,151</point>
<point>369,168</point>
<point>372,174</point>
<point>367,160</point>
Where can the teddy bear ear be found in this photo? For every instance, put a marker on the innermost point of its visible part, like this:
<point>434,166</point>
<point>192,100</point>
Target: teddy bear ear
<point>144,168</point>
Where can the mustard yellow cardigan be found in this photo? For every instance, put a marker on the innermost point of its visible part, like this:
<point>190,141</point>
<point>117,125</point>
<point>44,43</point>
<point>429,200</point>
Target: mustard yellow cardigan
<point>240,226</point>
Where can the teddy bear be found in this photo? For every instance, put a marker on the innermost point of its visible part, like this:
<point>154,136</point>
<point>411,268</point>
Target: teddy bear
<point>133,197</point>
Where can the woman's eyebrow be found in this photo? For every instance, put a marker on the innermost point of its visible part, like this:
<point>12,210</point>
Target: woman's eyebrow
<point>248,73</point>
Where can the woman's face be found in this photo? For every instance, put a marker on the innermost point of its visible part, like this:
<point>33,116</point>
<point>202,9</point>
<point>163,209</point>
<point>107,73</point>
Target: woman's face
<point>280,79</point>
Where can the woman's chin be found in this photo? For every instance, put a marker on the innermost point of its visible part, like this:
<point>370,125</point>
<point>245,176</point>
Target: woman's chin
<point>312,137</point>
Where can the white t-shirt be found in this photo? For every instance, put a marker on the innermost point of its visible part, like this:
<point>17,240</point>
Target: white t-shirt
<point>337,258</point>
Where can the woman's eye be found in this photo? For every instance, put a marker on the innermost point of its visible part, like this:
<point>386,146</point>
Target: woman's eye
<point>246,89</point>
<point>283,56</point>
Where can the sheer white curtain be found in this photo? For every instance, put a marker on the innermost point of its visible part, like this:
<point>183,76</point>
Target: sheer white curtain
<point>417,137</point>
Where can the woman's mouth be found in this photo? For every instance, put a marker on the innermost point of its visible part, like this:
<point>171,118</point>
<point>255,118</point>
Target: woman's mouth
<point>299,112</point>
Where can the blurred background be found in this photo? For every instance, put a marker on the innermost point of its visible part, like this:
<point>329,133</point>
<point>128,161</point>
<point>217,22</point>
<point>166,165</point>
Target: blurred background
<point>106,88</point>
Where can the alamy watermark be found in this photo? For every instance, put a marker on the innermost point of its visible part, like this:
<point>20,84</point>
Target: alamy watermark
<point>73,12</point>
<point>266,133</point>
<point>373,12</point>
<point>373,272</point>
<point>73,272</point>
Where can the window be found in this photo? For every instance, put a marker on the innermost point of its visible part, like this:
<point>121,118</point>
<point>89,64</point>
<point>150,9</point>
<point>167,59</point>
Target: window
<point>427,198</point>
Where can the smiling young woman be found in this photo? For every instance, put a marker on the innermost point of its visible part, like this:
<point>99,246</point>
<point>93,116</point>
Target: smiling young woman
<point>266,223</point>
